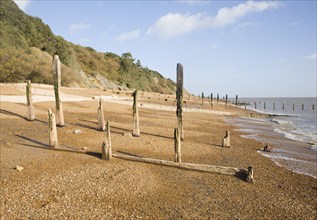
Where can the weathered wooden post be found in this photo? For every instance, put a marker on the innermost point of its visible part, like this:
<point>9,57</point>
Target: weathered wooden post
<point>179,97</point>
<point>273,105</point>
<point>226,101</point>
<point>29,101</point>
<point>264,105</point>
<point>293,107</point>
<point>226,140</point>
<point>106,145</point>
<point>57,89</point>
<point>283,105</point>
<point>101,119</point>
<point>303,106</point>
<point>245,105</point>
<point>255,105</point>
<point>136,128</point>
<point>217,98</point>
<point>250,174</point>
<point>52,141</point>
<point>177,146</point>
<point>211,99</point>
<point>202,98</point>
<point>236,100</point>
<point>313,107</point>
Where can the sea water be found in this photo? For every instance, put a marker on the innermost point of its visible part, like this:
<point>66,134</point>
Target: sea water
<point>291,131</point>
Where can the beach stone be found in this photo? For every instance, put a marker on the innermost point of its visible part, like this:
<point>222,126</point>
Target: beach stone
<point>77,131</point>
<point>19,168</point>
<point>127,135</point>
<point>84,148</point>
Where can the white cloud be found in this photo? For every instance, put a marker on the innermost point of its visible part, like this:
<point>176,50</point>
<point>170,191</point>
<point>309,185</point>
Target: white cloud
<point>195,2</point>
<point>174,24</point>
<point>310,57</point>
<point>128,35</point>
<point>22,4</point>
<point>239,27</point>
<point>79,26</point>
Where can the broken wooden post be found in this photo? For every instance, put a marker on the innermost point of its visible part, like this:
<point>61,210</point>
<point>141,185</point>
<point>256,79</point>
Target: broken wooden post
<point>52,141</point>
<point>179,97</point>
<point>136,129</point>
<point>57,91</point>
<point>101,120</point>
<point>177,146</point>
<point>29,100</point>
<point>250,174</point>
<point>226,140</point>
<point>106,145</point>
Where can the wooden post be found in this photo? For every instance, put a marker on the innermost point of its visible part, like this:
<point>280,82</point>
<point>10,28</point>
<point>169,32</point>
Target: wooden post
<point>106,145</point>
<point>179,97</point>
<point>273,105</point>
<point>136,128</point>
<point>293,107</point>
<point>236,100</point>
<point>226,101</point>
<point>255,105</point>
<point>101,120</point>
<point>245,105</point>
<point>303,106</point>
<point>226,140</point>
<point>52,141</point>
<point>250,174</point>
<point>283,105</point>
<point>264,105</point>
<point>313,107</point>
<point>202,98</point>
<point>29,100</point>
<point>211,99</point>
<point>177,146</point>
<point>217,98</point>
<point>57,90</point>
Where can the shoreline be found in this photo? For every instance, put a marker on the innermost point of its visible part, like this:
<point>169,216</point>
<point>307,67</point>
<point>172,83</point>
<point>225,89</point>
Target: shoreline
<point>68,185</point>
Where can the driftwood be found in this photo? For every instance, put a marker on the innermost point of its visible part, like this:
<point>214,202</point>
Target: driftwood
<point>52,141</point>
<point>136,128</point>
<point>190,166</point>
<point>101,120</point>
<point>226,140</point>
<point>249,177</point>
<point>179,99</point>
<point>106,145</point>
<point>57,90</point>
<point>29,101</point>
<point>177,146</point>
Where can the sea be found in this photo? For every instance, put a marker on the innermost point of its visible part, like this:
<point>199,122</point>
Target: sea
<point>291,131</point>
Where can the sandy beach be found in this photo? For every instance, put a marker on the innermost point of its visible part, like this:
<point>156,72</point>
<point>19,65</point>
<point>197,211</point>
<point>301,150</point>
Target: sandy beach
<point>69,185</point>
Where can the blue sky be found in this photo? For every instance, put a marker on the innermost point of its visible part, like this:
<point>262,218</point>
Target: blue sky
<point>249,48</point>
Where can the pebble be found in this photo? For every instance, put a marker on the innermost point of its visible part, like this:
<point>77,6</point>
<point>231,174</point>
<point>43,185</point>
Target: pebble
<point>127,135</point>
<point>77,131</point>
<point>19,168</point>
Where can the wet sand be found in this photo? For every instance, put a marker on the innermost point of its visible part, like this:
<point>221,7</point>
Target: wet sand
<point>63,185</point>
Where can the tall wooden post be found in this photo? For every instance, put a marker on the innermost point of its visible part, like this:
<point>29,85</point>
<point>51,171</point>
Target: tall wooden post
<point>101,119</point>
<point>211,99</point>
<point>52,141</point>
<point>29,101</point>
<point>136,128</point>
<point>217,98</point>
<point>179,97</point>
<point>236,100</point>
<point>57,89</point>
<point>202,98</point>
<point>177,146</point>
<point>226,101</point>
<point>106,145</point>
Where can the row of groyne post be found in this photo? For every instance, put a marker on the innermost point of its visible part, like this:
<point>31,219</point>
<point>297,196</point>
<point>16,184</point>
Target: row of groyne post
<point>57,120</point>
<point>281,105</point>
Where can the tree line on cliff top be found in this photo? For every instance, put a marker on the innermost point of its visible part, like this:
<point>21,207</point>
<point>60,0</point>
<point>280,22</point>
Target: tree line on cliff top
<point>27,46</point>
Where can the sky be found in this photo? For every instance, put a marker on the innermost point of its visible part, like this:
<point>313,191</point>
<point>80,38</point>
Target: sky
<point>244,48</point>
